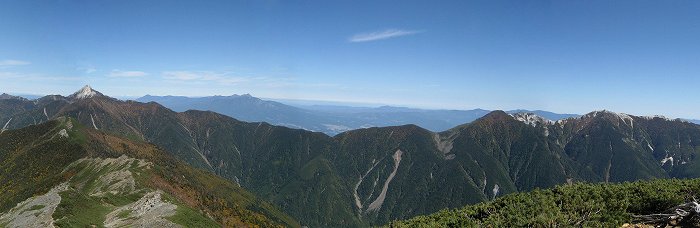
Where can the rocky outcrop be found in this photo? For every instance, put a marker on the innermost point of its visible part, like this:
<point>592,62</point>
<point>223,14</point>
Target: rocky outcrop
<point>36,211</point>
<point>149,211</point>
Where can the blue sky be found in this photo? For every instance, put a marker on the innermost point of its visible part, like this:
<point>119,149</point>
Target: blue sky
<point>639,57</point>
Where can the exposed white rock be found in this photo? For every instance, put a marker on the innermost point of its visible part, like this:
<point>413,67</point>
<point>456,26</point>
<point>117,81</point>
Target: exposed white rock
<point>238,181</point>
<point>115,182</point>
<point>374,186</point>
<point>93,122</point>
<point>149,211</point>
<point>377,204</point>
<point>63,133</point>
<point>597,113</point>
<point>69,125</point>
<point>495,190</point>
<point>562,122</point>
<point>36,211</point>
<point>531,119</point>
<point>5,127</point>
<point>116,178</point>
<point>626,118</point>
<point>629,118</point>
<point>666,159</point>
<point>655,117</point>
<point>85,92</point>
<point>358,202</point>
<point>444,145</point>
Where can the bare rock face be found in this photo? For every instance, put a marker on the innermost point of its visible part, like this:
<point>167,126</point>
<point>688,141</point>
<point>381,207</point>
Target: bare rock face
<point>377,203</point>
<point>149,211</point>
<point>36,211</point>
<point>63,133</point>
<point>684,215</point>
<point>117,178</point>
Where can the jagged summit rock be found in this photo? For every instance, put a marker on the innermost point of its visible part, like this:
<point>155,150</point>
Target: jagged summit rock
<point>85,93</point>
<point>531,119</point>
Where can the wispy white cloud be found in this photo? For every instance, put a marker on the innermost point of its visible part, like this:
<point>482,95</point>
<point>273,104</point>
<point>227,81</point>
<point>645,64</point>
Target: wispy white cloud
<point>229,78</point>
<point>9,75</point>
<point>294,84</point>
<point>219,77</point>
<point>381,35</point>
<point>36,77</point>
<point>127,74</point>
<point>87,69</point>
<point>12,62</point>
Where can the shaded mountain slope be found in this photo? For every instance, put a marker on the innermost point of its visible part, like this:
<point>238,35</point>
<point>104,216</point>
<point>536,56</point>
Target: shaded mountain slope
<point>76,176</point>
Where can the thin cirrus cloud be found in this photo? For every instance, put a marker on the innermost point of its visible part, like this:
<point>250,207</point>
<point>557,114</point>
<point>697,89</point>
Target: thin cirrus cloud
<point>204,76</point>
<point>12,62</point>
<point>127,74</point>
<point>229,78</point>
<point>381,35</point>
<point>35,77</point>
<point>87,69</point>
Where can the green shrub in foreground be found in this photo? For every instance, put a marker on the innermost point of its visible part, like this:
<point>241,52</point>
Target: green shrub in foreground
<point>580,204</point>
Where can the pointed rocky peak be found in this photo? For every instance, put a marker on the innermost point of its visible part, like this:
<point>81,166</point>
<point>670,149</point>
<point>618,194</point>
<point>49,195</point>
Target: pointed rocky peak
<point>498,114</point>
<point>608,114</point>
<point>611,116</point>
<point>85,93</point>
<point>603,113</point>
<point>531,119</point>
<point>247,96</point>
<point>494,117</point>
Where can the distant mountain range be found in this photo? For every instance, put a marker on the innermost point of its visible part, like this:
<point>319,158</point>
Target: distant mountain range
<point>329,119</point>
<point>358,178</point>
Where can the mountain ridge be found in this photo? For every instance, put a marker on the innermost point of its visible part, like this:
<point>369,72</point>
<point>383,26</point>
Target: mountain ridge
<point>319,179</point>
<point>328,119</point>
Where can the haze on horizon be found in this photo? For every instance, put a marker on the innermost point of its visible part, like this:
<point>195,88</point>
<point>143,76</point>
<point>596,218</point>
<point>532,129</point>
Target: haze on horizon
<point>637,57</point>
